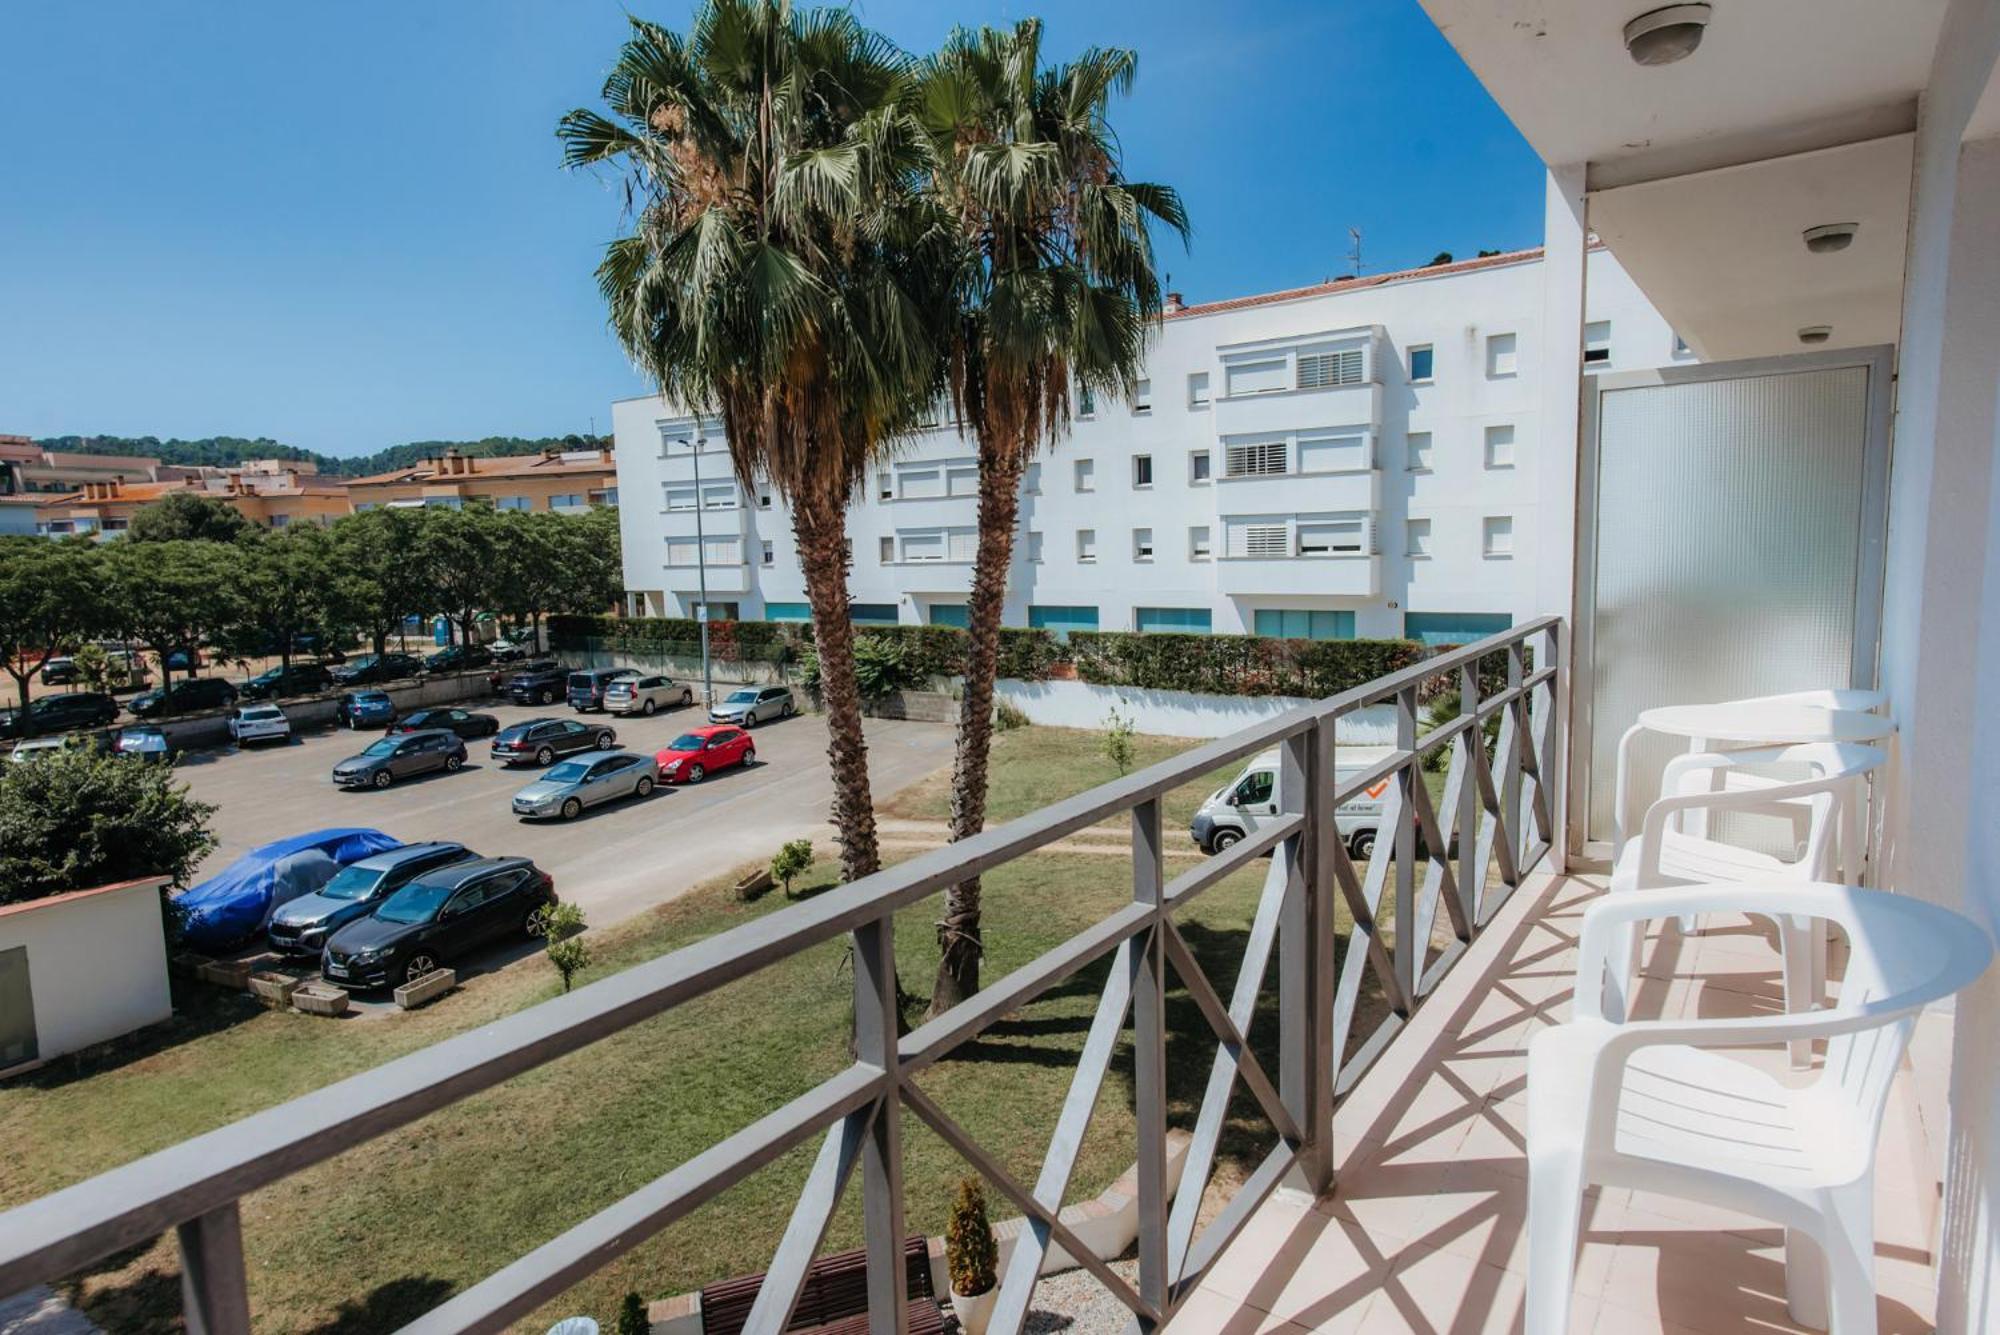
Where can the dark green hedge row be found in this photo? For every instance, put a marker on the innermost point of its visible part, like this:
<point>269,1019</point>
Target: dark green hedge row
<point>1236,664</point>
<point>928,651</point>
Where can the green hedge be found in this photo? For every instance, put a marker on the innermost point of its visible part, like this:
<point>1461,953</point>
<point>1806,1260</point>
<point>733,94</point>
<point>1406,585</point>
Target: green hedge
<point>928,651</point>
<point>1236,664</point>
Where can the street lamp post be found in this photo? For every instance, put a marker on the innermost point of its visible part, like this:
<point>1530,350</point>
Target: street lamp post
<point>701,575</point>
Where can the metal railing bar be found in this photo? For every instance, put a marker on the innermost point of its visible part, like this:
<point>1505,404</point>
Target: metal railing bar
<point>934,1040</point>
<point>1372,1047</point>
<point>1222,1230</point>
<point>1220,867</point>
<point>990,1168</point>
<point>1100,1043</point>
<point>1439,882</point>
<point>1232,1039</point>
<point>785,1278</point>
<point>553,1267</point>
<point>215,1294</point>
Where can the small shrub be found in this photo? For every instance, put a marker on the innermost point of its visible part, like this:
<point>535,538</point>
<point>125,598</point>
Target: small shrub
<point>93,667</point>
<point>1007,717</point>
<point>969,1249</point>
<point>882,667</point>
<point>1118,740</point>
<point>632,1318</point>
<point>563,927</point>
<point>791,862</point>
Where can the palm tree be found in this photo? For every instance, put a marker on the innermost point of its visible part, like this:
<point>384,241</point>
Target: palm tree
<point>1057,286</point>
<point>770,277</point>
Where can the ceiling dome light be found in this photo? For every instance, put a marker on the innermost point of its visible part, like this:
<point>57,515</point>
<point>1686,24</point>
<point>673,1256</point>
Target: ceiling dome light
<point>1816,333</point>
<point>1829,237</point>
<point>1662,36</point>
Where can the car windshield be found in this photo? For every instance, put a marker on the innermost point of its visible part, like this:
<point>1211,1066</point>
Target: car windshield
<point>366,660</point>
<point>352,883</point>
<point>581,681</point>
<point>569,771</point>
<point>385,747</point>
<point>687,741</point>
<point>416,902</point>
<point>740,697</point>
<point>262,713</point>
<point>371,698</point>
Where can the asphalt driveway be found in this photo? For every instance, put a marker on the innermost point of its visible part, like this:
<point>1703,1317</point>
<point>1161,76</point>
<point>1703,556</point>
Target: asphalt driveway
<point>615,860</point>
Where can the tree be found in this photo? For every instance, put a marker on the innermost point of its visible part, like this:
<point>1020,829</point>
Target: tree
<point>51,595</point>
<point>563,926</point>
<point>283,582</point>
<point>75,819</point>
<point>182,516</point>
<point>458,550</point>
<point>175,595</point>
<point>378,578</point>
<point>1118,741</point>
<point>1057,286</point>
<point>790,862</point>
<point>774,276</point>
<point>632,1317</point>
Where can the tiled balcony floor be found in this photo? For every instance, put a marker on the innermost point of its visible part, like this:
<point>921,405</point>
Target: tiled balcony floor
<point>1426,1231</point>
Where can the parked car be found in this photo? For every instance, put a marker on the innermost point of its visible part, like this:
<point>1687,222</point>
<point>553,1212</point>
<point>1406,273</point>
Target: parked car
<point>585,782</point>
<point>645,694</point>
<point>467,725</point>
<point>184,697</point>
<point>280,683</point>
<point>539,683</point>
<point>507,651</point>
<point>753,705</point>
<point>540,741</point>
<point>59,671</point>
<point>259,723</point>
<point>391,758</point>
<point>458,658</point>
<point>365,709</point>
<point>371,668</point>
<point>302,926</point>
<point>234,905</point>
<point>148,745</point>
<point>693,756</point>
<point>586,687</point>
<point>123,670</point>
<point>438,919</point>
<point>34,748</point>
<point>59,713</point>
<point>183,660</point>
<point>1251,801</point>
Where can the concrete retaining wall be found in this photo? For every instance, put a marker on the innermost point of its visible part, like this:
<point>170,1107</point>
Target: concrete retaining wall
<point>1077,704</point>
<point>186,732</point>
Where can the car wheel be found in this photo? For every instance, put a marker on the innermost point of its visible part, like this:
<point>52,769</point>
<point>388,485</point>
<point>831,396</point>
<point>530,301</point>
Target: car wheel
<point>749,757</point>
<point>420,964</point>
<point>572,809</point>
<point>695,774</point>
<point>788,710</point>
<point>545,756</point>
<point>648,708</point>
<point>687,698</point>
<point>1362,845</point>
<point>749,719</point>
<point>606,740</point>
<point>536,922</point>
<point>383,778</point>
<point>452,764</point>
<point>644,788</point>
<point>545,697</point>
<point>1223,840</point>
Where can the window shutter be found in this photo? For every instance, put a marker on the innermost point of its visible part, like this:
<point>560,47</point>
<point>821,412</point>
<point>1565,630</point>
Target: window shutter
<point>1260,458</point>
<point>964,544</point>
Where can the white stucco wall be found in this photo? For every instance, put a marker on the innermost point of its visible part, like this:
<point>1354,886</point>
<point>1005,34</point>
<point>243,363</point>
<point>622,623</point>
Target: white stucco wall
<point>97,963</point>
<point>1077,704</point>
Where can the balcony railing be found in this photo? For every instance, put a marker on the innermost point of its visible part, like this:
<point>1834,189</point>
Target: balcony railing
<point>1499,803</point>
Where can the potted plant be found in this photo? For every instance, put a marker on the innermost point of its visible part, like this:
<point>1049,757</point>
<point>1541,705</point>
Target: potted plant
<point>971,1254</point>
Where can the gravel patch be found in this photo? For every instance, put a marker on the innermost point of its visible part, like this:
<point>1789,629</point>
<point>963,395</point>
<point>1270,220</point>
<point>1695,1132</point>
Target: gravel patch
<point>1074,1303</point>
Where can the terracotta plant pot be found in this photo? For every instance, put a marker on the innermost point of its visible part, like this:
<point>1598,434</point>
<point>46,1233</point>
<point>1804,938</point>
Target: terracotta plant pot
<point>973,1313</point>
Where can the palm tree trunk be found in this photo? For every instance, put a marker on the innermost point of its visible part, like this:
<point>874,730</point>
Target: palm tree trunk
<point>820,528</point>
<point>959,941</point>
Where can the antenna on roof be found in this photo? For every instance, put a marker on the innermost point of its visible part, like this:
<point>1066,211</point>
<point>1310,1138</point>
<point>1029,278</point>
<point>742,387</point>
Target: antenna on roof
<point>1354,253</point>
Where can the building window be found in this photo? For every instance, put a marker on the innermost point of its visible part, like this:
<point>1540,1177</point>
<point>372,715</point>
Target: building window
<point>1500,361</point>
<point>920,484</point>
<point>1420,538</point>
<point>1284,623</point>
<point>1031,480</point>
<point>1323,370</point>
<point>1201,546</point>
<point>1422,364</point>
<point>1142,470</point>
<point>1334,454</point>
<point>719,611</point>
<point>1086,475</point>
<point>1497,536</point>
<point>277,521</point>
<point>1597,343</point>
<point>923,547</point>
<point>680,498</point>
<point>1198,389</point>
<point>951,614</point>
<point>1331,537</point>
<point>763,500</point>
<point>1255,459</point>
<point>1257,541</point>
<point>1500,445</point>
<point>886,549</point>
<point>1200,465</point>
<point>1435,629</point>
<point>1142,544</point>
<point>1034,546</point>
<point>721,496</point>
<point>567,501</point>
<point>1062,620</point>
<point>885,487</point>
<point>1142,397</point>
<point>1267,376</point>
<point>788,611</point>
<point>1420,452</point>
<point>1086,401</point>
<point>1086,545</point>
<point>1173,620</point>
<point>872,614</point>
<point>527,503</point>
<point>769,553</point>
<point>605,496</point>
<point>962,480</point>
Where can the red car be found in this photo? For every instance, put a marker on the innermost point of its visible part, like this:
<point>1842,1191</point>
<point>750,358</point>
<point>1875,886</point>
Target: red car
<point>693,756</point>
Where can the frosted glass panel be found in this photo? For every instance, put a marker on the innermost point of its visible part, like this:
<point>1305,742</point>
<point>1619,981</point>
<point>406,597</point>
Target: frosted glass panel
<point>1729,516</point>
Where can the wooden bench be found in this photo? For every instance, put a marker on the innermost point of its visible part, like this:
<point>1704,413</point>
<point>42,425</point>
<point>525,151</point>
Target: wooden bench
<point>833,1300</point>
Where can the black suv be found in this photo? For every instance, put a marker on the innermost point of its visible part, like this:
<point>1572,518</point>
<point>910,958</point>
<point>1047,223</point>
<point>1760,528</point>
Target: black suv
<point>439,918</point>
<point>371,668</point>
<point>283,683</point>
<point>184,697</point>
<point>538,683</point>
<point>59,713</point>
<point>586,688</point>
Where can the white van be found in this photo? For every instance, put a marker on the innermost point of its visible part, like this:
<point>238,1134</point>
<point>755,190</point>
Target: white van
<point>1233,812</point>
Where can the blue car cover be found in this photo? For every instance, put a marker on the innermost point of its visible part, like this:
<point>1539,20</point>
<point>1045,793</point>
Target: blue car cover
<point>233,905</point>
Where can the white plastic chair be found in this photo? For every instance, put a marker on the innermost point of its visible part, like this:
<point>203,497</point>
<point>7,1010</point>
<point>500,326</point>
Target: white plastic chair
<point>1647,1105</point>
<point>1674,850</point>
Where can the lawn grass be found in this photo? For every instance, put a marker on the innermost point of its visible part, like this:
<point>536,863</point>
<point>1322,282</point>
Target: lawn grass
<point>381,1233</point>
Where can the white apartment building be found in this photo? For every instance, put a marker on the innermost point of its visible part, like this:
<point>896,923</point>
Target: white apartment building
<point>1351,459</point>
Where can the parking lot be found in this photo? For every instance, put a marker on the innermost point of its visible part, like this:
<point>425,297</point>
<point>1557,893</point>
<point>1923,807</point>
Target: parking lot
<point>614,860</point>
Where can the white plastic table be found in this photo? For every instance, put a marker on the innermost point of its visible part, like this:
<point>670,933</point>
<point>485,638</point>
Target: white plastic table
<point>1762,725</point>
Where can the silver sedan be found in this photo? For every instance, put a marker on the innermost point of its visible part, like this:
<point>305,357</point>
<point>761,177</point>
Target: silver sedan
<point>585,782</point>
<point>645,694</point>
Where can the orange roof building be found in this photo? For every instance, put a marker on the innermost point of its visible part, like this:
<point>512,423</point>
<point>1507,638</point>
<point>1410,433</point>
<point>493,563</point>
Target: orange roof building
<point>565,481</point>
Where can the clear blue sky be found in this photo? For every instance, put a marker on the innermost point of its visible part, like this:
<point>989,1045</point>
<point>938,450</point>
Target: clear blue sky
<point>345,226</point>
